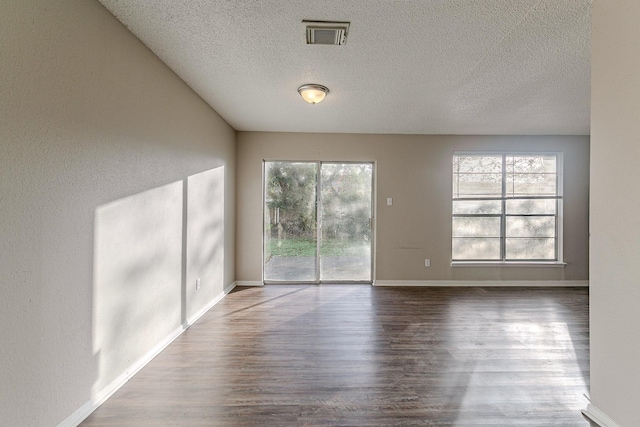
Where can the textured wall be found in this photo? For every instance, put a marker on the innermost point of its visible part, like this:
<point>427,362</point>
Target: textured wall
<point>416,171</point>
<point>116,186</point>
<point>615,203</point>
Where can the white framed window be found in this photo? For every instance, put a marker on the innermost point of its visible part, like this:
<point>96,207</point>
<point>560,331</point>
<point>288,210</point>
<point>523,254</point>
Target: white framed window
<point>507,207</point>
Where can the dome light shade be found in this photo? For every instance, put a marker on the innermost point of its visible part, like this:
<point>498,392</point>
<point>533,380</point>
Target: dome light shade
<point>313,93</point>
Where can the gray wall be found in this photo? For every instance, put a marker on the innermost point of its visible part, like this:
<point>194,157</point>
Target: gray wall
<point>116,185</point>
<point>615,203</point>
<point>415,170</point>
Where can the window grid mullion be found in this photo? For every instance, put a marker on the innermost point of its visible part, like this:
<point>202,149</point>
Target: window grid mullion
<point>466,199</point>
<point>557,215</point>
<point>503,218</point>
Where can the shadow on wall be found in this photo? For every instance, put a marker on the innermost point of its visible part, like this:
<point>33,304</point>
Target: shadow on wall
<point>147,248</point>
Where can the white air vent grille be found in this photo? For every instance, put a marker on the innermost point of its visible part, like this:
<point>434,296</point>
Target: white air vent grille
<point>326,33</point>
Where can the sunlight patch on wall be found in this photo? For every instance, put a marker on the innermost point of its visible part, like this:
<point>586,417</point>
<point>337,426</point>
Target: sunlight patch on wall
<point>137,277</point>
<point>205,238</point>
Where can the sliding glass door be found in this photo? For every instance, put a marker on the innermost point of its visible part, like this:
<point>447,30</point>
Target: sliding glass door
<point>290,232</point>
<point>345,227</point>
<point>318,222</point>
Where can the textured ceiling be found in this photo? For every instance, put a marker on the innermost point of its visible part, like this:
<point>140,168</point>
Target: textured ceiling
<point>409,66</point>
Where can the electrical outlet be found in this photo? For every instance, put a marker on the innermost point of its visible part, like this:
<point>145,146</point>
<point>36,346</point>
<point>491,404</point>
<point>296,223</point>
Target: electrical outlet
<point>197,283</point>
<point>427,262</point>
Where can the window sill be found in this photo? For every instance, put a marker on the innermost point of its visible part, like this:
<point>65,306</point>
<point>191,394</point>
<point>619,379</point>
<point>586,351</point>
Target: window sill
<point>553,264</point>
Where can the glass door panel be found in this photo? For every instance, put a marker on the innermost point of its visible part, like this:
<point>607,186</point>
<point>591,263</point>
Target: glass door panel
<point>290,244</point>
<point>345,211</point>
<point>317,222</point>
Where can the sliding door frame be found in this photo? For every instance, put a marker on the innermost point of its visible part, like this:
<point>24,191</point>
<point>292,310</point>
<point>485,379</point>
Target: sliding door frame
<point>318,207</point>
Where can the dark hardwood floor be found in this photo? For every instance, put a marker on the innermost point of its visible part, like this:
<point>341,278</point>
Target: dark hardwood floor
<point>356,355</point>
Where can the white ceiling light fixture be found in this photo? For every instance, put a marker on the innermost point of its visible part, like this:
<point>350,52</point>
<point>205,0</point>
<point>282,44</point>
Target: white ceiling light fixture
<point>313,93</point>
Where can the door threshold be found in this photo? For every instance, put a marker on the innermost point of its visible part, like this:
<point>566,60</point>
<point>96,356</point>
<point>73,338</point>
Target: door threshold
<point>345,282</point>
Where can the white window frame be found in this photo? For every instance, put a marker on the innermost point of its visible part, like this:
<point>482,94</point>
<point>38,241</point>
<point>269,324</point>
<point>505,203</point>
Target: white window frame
<point>558,262</point>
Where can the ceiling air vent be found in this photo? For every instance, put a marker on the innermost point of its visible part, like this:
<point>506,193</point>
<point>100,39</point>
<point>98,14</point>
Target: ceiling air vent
<point>327,33</point>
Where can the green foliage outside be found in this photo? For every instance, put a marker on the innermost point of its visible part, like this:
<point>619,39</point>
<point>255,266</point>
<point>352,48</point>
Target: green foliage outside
<point>290,189</point>
<point>291,201</point>
<point>307,247</point>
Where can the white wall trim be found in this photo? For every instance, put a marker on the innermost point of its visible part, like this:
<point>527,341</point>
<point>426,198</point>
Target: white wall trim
<point>599,417</point>
<point>534,264</point>
<point>100,397</point>
<point>193,319</point>
<point>248,283</point>
<point>512,283</point>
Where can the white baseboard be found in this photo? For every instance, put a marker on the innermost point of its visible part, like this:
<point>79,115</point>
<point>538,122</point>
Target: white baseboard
<point>248,283</point>
<point>100,397</point>
<point>209,306</point>
<point>227,289</point>
<point>599,417</point>
<point>512,283</point>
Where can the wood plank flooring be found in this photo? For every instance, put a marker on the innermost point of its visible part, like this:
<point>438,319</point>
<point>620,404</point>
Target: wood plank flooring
<point>356,355</point>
